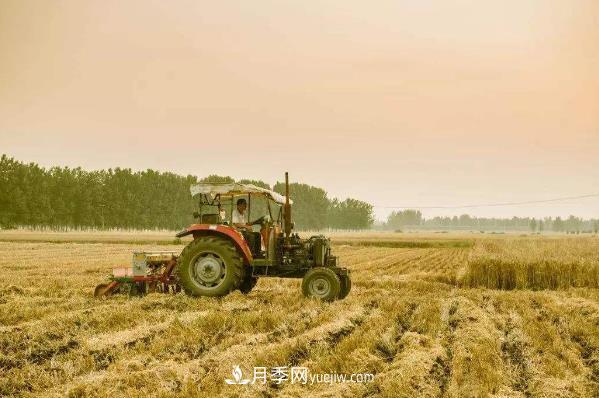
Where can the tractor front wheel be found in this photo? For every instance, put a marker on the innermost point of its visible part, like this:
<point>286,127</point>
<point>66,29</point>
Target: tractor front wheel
<point>209,266</point>
<point>321,283</point>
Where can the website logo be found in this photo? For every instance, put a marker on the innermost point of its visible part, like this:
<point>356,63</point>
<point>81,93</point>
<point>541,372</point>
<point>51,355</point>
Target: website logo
<point>237,376</point>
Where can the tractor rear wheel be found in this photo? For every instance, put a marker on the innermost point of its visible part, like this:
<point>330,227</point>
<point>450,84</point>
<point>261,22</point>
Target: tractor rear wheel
<point>209,266</point>
<point>321,283</point>
<point>345,286</point>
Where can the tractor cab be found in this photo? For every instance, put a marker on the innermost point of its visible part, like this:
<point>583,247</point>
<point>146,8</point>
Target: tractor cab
<point>217,202</point>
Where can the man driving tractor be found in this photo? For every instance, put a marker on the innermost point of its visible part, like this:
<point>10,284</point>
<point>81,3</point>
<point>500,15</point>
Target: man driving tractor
<point>240,221</point>
<point>239,217</point>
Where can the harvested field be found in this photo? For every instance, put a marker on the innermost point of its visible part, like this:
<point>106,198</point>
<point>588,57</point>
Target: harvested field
<point>410,320</point>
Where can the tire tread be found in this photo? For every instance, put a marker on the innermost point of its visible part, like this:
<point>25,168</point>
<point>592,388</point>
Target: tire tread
<point>236,266</point>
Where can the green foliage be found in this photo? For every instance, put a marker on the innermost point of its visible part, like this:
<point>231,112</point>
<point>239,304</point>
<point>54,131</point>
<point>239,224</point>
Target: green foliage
<point>350,214</point>
<point>310,205</point>
<point>399,219</point>
<point>533,225</point>
<point>216,179</point>
<point>558,225</point>
<point>313,210</point>
<point>121,198</point>
<point>74,198</point>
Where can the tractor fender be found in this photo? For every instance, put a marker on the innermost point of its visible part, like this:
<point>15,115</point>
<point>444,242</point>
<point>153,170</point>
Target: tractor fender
<point>225,231</point>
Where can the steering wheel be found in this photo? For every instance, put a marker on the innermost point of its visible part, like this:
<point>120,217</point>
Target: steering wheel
<point>258,221</point>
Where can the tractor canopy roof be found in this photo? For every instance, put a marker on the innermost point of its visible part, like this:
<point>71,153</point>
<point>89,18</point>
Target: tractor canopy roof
<point>234,189</point>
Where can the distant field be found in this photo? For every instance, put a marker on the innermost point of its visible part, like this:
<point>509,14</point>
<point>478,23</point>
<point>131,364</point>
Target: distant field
<point>412,320</point>
<point>168,237</point>
<point>164,237</point>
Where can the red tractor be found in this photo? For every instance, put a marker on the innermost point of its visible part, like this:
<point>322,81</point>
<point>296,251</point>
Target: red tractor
<point>224,256</point>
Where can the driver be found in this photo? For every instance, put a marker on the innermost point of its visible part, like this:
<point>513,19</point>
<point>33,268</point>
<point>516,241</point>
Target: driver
<point>240,217</point>
<point>239,220</point>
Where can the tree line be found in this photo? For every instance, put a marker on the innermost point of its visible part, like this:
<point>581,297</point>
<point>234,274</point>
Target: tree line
<point>73,198</point>
<point>413,219</point>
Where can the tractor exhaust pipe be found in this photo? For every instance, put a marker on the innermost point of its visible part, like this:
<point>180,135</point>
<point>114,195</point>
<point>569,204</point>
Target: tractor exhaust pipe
<point>287,210</point>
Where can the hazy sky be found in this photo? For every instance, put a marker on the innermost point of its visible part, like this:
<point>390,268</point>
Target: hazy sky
<point>393,102</point>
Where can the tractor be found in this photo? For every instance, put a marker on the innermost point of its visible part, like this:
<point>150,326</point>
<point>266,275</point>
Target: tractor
<point>224,256</point>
